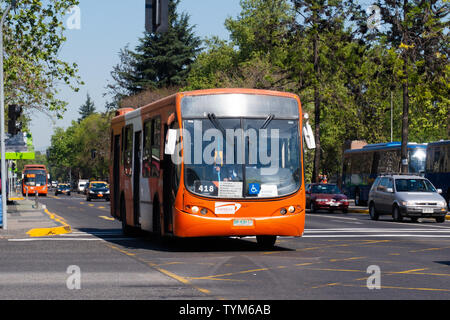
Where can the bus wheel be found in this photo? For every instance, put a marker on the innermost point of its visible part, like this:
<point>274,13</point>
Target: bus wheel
<point>266,242</point>
<point>126,230</point>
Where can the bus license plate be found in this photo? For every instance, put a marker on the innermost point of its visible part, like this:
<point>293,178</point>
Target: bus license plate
<point>243,223</point>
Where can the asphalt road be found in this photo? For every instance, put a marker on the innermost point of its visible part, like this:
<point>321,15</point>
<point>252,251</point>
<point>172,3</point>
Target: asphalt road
<point>405,261</point>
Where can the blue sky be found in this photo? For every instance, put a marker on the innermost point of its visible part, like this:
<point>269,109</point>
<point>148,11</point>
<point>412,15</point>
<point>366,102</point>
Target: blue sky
<point>106,27</point>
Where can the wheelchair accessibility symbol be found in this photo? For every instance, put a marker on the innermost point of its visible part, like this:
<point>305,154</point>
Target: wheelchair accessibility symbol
<point>254,188</point>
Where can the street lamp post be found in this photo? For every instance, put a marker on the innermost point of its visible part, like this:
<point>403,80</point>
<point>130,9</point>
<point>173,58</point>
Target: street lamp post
<point>11,5</point>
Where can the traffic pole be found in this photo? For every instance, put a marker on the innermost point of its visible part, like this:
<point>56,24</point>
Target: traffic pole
<point>2,121</point>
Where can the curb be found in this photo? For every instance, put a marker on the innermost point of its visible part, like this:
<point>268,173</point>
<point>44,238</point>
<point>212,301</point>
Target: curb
<point>44,232</point>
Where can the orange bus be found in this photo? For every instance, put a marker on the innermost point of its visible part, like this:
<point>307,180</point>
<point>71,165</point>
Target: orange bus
<point>35,178</point>
<point>218,162</point>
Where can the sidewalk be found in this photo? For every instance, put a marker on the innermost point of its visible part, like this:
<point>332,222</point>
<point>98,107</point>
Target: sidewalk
<point>27,220</point>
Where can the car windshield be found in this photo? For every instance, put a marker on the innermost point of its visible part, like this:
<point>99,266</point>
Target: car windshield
<point>98,185</point>
<point>325,189</point>
<point>64,187</point>
<point>243,158</point>
<point>414,185</point>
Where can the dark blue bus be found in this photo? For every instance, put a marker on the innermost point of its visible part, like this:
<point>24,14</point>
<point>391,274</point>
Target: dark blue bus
<point>438,166</point>
<point>362,166</point>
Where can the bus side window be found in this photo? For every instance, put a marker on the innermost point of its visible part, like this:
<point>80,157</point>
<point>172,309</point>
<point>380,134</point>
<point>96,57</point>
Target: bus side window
<point>127,149</point>
<point>156,147</point>
<point>147,149</point>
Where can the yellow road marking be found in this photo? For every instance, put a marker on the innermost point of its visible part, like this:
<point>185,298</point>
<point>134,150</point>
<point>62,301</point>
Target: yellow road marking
<point>409,271</point>
<point>44,232</point>
<point>164,271</point>
<point>346,259</point>
<point>107,218</point>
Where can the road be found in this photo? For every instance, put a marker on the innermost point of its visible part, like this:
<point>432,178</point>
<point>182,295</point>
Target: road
<point>331,261</point>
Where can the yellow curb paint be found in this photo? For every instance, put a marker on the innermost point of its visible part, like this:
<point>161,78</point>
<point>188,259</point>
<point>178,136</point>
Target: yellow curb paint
<point>17,199</point>
<point>45,232</point>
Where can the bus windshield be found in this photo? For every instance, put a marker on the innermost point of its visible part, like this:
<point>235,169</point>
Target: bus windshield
<point>242,158</point>
<point>35,178</point>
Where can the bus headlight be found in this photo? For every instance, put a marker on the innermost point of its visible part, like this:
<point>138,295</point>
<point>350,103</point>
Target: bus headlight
<point>291,209</point>
<point>195,209</point>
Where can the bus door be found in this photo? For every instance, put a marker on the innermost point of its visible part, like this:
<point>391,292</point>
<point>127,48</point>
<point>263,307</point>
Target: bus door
<point>168,200</point>
<point>116,175</point>
<point>137,176</point>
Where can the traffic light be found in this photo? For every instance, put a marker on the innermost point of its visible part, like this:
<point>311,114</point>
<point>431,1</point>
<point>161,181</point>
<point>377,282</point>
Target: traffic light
<point>156,16</point>
<point>14,113</point>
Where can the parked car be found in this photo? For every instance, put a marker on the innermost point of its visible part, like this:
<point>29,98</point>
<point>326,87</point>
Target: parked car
<point>322,196</point>
<point>98,190</point>
<point>406,196</point>
<point>63,188</point>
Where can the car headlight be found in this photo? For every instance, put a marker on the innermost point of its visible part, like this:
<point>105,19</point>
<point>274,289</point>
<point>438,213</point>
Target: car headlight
<point>443,204</point>
<point>90,191</point>
<point>408,203</point>
<point>107,192</point>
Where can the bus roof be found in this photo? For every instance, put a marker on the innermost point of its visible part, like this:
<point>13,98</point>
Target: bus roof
<point>386,146</point>
<point>439,143</point>
<point>131,113</point>
<point>34,166</point>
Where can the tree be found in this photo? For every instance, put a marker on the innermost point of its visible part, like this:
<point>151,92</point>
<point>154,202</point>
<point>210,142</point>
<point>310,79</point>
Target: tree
<point>160,60</point>
<point>86,109</point>
<point>320,21</point>
<point>416,34</point>
<point>33,37</point>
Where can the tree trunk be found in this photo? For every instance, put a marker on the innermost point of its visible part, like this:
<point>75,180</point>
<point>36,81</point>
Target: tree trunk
<point>316,169</point>
<point>405,85</point>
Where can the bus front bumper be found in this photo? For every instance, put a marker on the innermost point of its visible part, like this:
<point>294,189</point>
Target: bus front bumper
<point>192,225</point>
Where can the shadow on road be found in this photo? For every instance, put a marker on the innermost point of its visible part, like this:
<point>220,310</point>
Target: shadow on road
<point>145,240</point>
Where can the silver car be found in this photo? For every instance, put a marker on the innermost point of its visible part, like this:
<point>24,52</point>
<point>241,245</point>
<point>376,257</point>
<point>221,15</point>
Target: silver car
<point>406,196</point>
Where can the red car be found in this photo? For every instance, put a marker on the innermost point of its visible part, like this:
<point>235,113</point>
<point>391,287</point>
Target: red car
<point>320,196</point>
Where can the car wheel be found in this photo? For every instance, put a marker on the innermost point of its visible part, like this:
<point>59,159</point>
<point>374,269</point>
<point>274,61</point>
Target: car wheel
<point>344,210</point>
<point>313,207</point>
<point>373,212</point>
<point>396,215</point>
<point>88,199</point>
<point>414,219</point>
<point>440,219</point>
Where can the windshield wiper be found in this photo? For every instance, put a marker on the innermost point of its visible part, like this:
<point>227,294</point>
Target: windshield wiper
<point>268,120</point>
<point>216,123</point>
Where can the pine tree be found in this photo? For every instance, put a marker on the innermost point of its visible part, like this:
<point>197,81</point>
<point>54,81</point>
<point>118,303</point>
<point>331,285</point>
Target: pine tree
<point>86,109</point>
<point>160,60</point>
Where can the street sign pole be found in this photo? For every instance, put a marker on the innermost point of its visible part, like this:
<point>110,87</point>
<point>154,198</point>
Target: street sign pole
<point>4,173</point>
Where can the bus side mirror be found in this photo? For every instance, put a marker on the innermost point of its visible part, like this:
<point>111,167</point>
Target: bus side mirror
<point>308,135</point>
<point>171,141</point>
